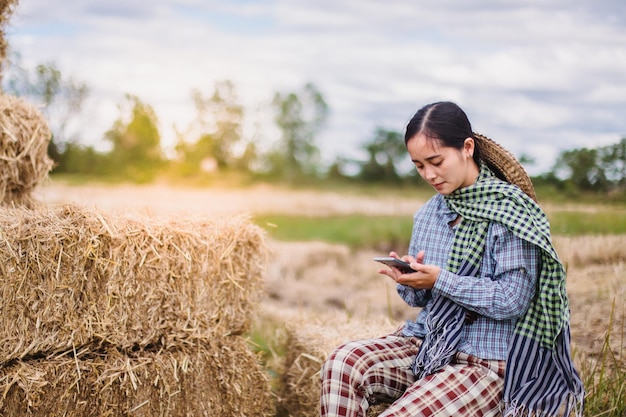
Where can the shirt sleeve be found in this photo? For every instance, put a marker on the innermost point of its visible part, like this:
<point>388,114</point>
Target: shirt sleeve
<point>413,297</point>
<point>503,290</point>
<point>427,223</point>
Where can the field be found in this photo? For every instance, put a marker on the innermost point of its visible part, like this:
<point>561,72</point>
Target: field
<point>318,277</point>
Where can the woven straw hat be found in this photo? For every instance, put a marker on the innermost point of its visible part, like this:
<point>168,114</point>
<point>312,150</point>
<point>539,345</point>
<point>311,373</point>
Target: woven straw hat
<point>504,164</point>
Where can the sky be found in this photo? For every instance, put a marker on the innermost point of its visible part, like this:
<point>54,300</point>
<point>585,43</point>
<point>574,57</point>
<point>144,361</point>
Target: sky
<point>537,76</point>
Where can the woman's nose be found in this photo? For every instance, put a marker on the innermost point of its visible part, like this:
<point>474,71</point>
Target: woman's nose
<point>429,173</point>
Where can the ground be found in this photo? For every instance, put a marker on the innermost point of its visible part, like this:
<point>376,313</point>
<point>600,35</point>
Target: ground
<point>318,276</point>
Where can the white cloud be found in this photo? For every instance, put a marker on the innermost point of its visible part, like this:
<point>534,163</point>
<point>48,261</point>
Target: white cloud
<point>521,69</point>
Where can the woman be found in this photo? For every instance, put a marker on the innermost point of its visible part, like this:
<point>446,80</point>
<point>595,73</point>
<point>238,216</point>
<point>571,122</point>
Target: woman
<point>492,337</point>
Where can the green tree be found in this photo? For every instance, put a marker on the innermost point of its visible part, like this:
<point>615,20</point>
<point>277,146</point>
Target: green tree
<point>583,169</point>
<point>216,132</point>
<point>526,159</point>
<point>386,147</point>
<point>136,142</point>
<point>300,116</point>
<point>7,7</point>
<point>338,170</point>
<point>83,160</point>
<point>613,160</point>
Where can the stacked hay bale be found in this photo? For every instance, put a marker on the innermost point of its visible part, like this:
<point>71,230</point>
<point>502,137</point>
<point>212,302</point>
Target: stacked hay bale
<point>24,161</point>
<point>103,314</point>
<point>308,342</point>
<point>107,315</point>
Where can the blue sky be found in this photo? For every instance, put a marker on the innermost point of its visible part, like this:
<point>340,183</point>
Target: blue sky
<point>537,76</point>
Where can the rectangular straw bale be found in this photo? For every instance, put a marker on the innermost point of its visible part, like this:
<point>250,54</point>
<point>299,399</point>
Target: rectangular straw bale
<point>310,339</point>
<point>72,276</point>
<point>209,378</point>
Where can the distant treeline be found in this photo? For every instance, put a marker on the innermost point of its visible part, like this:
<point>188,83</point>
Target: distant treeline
<point>213,145</point>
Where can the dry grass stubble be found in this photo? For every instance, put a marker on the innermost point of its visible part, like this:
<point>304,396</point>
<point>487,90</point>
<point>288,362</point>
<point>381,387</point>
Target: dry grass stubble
<point>319,276</point>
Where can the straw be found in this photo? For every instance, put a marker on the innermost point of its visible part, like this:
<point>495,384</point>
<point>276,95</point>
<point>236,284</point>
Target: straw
<point>72,276</point>
<point>505,165</point>
<point>24,160</point>
<point>210,378</point>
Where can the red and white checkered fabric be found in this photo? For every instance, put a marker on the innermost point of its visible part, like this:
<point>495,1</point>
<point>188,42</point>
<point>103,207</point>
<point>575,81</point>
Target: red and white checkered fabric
<point>360,373</point>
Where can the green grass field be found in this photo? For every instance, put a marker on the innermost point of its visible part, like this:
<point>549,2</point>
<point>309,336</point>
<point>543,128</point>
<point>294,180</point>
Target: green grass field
<point>355,230</point>
<point>358,231</point>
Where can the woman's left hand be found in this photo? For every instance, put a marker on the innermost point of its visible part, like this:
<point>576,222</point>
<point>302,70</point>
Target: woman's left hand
<point>423,279</point>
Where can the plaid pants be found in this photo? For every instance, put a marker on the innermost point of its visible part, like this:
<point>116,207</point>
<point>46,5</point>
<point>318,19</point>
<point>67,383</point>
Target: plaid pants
<point>363,372</point>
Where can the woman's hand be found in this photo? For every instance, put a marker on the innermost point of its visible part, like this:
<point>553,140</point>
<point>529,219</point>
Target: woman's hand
<point>423,279</point>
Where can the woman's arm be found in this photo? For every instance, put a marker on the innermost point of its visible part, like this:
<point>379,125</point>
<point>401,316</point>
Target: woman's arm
<point>505,290</point>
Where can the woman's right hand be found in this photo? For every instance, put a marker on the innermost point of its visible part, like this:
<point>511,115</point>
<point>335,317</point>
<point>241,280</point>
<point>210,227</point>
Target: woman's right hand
<point>394,273</point>
<point>419,258</point>
<point>423,278</point>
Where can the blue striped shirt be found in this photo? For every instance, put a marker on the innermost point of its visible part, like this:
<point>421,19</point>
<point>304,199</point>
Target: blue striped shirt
<point>500,293</point>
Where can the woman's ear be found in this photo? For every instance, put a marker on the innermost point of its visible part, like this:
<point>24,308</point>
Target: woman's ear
<point>468,147</point>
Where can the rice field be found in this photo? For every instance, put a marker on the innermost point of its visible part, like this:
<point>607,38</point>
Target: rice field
<point>319,282</point>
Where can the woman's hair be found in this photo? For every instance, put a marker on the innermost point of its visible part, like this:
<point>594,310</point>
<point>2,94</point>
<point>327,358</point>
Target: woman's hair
<point>443,121</point>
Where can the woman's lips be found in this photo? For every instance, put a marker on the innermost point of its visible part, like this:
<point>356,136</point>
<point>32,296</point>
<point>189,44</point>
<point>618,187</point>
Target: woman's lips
<point>438,185</point>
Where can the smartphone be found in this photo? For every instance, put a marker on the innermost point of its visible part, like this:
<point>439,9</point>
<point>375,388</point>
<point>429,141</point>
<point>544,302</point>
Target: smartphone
<point>404,267</point>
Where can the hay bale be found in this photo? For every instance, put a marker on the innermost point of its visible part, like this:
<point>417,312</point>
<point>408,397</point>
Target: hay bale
<point>24,160</point>
<point>72,277</point>
<point>309,342</point>
<point>210,378</point>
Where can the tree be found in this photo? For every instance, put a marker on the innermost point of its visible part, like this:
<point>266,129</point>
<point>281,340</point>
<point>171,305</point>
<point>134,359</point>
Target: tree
<point>7,8</point>
<point>599,169</point>
<point>582,168</point>
<point>300,116</point>
<point>216,132</point>
<point>526,159</point>
<point>613,159</point>
<point>339,169</point>
<point>83,160</point>
<point>386,147</point>
<point>136,154</point>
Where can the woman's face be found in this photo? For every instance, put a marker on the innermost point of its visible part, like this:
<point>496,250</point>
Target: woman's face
<point>446,169</point>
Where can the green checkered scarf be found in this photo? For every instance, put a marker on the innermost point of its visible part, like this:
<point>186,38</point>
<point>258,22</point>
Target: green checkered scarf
<point>492,200</point>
